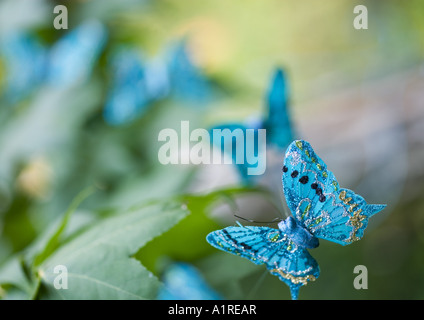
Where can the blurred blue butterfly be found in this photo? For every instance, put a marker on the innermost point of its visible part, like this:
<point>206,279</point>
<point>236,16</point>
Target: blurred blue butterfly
<point>70,60</point>
<point>186,80</point>
<point>72,57</point>
<point>320,209</point>
<point>137,83</point>
<point>277,123</point>
<point>128,97</point>
<point>25,62</point>
<point>182,281</point>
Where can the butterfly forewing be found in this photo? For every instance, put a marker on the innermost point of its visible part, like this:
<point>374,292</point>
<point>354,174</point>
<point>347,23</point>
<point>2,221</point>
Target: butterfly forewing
<point>317,201</point>
<point>258,244</point>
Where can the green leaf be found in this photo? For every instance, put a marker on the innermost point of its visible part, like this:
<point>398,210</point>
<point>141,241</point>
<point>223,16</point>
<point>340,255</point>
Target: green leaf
<point>53,242</point>
<point>161,181</point>
<point>187,240</point>
<point>16,276</point>
<point>98,261</point>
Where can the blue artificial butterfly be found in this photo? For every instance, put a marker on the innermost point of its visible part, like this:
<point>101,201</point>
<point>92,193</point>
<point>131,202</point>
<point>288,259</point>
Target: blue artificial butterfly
<point>277,123</point>
<point>182,281</point>
<point>320,209</point>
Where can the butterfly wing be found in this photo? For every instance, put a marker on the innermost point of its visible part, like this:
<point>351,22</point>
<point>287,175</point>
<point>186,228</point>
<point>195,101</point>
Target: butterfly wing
<point>128,97</point>
<point>187,81</point>
<point>25,59</point>
<point>317,201</point>
<point>262,245</point>
<point>73,57</point>
<point>230,143</point>
<point>278,123</point>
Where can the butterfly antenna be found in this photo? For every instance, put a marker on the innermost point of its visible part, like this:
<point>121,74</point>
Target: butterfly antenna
<point>254,221</point>
<point>231,203</point>
<point>234,207</point>
<point>281,210</point>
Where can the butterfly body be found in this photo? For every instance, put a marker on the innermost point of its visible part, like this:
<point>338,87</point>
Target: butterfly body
<point>298,234</point>
<point>320,209</point>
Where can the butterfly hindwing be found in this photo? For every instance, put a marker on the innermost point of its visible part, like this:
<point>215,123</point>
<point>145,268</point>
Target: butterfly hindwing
<point>262,245</point>
<point>317,201</point>
<point>296,267</point>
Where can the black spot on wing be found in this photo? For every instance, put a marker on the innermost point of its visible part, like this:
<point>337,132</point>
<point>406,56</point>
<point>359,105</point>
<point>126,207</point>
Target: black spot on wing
<point>245,246</point>
<point>304,179</point>
<point>294,174</point>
